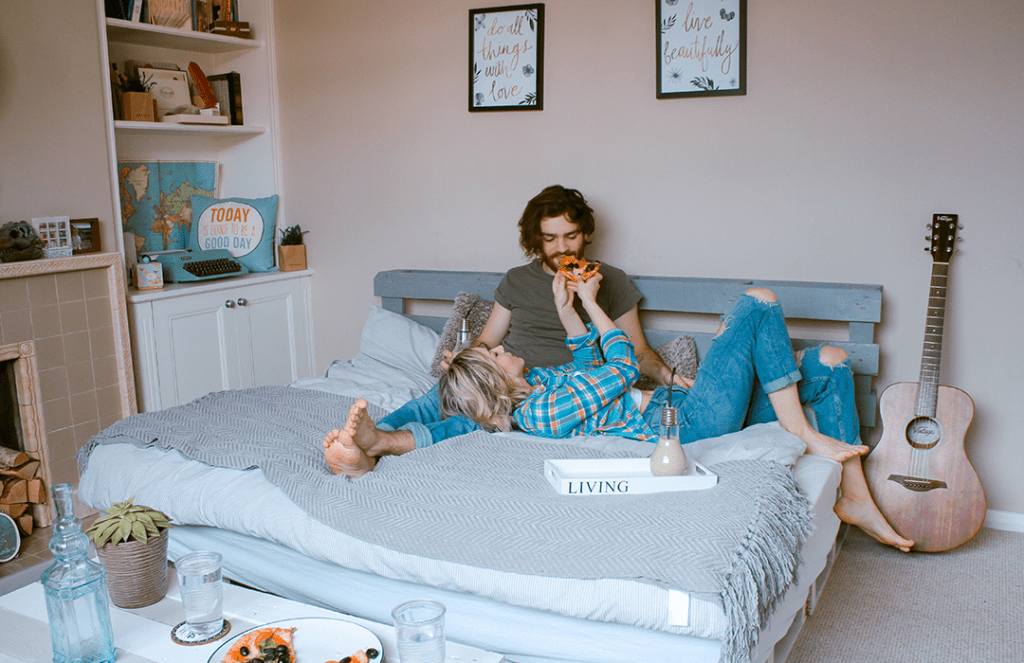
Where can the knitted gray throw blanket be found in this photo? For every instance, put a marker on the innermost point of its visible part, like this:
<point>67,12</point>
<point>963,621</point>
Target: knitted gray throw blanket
<point>482,500</point>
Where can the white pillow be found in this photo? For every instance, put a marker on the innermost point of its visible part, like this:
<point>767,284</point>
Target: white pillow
<point>397,341</point>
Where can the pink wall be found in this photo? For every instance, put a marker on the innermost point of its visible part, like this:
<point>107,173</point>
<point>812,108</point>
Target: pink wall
<point>860,121</point>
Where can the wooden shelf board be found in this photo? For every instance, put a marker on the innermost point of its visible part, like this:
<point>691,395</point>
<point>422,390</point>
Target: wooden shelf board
<point>145,34</point>
<point>171,127</point>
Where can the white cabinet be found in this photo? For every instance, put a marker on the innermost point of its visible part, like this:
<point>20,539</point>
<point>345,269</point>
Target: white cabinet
<point>249,331</point>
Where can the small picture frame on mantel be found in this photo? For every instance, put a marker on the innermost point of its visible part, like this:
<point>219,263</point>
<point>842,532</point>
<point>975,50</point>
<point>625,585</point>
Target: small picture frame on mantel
<point>506,58</point>
<point>85,236</point>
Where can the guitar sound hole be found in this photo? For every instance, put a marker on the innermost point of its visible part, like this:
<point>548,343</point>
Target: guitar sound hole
<point>923,432</point>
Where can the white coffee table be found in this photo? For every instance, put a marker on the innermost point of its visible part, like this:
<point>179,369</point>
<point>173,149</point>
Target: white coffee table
<point>143,635</point>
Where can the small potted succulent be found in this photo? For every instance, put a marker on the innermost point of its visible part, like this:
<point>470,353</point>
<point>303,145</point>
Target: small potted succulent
<point>136,98</point>
<point>291,253</point>
<point>131,541</point>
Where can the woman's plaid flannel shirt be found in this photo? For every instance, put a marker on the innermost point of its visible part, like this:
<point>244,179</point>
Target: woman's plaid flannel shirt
<point>588,396</point>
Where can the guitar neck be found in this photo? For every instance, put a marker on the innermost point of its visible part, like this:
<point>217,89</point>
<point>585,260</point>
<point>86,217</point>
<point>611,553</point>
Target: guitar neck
<point>931,356</point>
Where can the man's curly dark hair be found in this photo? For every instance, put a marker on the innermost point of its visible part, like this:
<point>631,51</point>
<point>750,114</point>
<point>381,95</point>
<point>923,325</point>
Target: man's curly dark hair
<point>553,201</point>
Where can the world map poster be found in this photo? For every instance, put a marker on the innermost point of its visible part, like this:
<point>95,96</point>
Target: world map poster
<point>156,200</point>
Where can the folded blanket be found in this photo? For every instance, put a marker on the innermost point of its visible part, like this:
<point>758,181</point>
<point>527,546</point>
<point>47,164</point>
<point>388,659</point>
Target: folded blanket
<point>482,500</point>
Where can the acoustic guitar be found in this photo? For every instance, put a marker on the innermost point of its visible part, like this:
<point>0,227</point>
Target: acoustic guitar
<point>918,473</point>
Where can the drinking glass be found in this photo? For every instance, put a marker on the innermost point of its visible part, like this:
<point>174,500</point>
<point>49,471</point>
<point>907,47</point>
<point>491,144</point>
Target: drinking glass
<point>419,628</point>
<point>202,595</point>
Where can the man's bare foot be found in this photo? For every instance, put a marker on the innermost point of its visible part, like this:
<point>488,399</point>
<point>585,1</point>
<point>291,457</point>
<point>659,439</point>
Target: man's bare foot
<point>829,447</point>
<point>865,515</point>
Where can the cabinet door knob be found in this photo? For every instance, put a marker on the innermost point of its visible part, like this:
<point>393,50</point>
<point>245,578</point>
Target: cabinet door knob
<point>229,304</point>
<point>242,301</point>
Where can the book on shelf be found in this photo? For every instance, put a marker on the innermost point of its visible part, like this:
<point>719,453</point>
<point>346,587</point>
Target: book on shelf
<point>125,10</point>
<point>227,88</point>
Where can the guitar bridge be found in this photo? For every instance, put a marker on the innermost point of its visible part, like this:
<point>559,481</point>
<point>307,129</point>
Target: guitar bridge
<point>917,484</point>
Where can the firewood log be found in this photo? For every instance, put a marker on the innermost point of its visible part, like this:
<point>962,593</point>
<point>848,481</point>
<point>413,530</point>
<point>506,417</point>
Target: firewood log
<point>12,458</point>
<point>23,471</point>
<point>15,490</point>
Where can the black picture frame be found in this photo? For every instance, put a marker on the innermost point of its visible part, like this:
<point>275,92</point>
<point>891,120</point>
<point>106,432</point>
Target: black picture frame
<point>85,236</point>
<point>506,58</point>
<point>227,89</point>
<point>700,54</point>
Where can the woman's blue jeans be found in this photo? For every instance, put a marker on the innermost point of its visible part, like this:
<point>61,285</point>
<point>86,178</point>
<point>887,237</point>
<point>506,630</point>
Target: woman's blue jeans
<point>751,358</point>
<point>422,417</point>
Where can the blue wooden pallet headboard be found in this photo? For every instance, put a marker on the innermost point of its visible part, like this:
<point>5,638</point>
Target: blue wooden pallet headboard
<point>856,307</point>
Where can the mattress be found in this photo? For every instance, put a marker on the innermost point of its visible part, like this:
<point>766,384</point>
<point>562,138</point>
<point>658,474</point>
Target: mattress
<point>270,543</point>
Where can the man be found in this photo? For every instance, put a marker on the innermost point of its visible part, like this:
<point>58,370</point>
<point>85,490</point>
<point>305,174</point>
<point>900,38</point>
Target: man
<point>556,222</point>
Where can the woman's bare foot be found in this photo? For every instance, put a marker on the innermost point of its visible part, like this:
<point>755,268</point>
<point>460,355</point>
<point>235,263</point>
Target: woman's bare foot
<point>355,448</point>
<point>343,456</point>
<point>829,447</point>
<point>342,449</point>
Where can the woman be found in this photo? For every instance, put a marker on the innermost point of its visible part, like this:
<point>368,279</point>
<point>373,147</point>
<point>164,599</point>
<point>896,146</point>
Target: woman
<point>750,375</point>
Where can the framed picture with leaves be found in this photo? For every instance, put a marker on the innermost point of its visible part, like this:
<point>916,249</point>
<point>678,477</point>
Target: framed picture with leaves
<point>701,48</point>
<point>506,58</point>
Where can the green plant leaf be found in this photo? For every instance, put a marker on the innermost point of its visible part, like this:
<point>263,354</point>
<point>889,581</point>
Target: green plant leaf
<point>123,530</point>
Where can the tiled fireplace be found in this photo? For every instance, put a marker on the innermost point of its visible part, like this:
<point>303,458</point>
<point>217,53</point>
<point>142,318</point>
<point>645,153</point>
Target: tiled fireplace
<point>63,325</point>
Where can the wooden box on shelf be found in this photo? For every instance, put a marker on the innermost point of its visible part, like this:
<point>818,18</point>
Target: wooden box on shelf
<point>291,257</point>
<point>137,107</point>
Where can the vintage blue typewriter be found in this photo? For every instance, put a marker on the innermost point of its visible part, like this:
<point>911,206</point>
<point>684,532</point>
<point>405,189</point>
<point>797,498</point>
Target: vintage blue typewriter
<point>185,266</point>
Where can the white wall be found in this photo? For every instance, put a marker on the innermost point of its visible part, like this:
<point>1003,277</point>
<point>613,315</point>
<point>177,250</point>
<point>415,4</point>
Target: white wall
<point>53,141</point>
<point>861,120</point>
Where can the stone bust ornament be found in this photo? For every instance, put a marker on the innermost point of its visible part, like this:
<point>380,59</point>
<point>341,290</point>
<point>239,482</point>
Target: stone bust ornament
<point>19,241</point>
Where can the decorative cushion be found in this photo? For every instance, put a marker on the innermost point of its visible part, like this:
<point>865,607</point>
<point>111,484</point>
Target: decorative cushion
<point>680,354</point>
<point>476,311</point>
<point>397,341</point>
<point>243,226</point>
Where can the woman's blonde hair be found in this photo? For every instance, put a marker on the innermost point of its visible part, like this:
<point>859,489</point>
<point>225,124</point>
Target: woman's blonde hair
<point>476,387</point>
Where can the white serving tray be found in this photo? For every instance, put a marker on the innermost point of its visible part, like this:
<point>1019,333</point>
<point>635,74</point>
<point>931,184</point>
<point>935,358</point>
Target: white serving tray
<point>618,476</point>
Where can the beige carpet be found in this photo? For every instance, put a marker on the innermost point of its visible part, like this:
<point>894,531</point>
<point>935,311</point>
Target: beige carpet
<point>962,606</point>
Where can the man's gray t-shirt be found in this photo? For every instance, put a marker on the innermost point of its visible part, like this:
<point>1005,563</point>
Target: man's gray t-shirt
<point>535,333</point>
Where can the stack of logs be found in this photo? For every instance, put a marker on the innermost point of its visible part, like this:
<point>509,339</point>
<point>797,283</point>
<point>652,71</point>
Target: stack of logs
<point>21,487</point>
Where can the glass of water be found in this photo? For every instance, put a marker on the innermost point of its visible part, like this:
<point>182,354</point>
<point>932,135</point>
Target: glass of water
<point>202,595</point>
<point>419,629</point>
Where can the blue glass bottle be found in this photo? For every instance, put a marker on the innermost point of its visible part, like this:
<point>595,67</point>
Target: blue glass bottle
<point>76,591</point>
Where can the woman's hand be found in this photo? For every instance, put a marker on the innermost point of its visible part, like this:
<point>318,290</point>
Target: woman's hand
<point>587,290</point>
<point>563,294</point>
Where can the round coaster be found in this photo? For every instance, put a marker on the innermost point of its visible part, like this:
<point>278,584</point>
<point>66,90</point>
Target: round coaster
<point>182,636</point>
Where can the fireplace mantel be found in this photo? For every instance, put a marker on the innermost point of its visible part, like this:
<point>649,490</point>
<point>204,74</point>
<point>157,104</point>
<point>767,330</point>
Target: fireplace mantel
<point>70,316</point>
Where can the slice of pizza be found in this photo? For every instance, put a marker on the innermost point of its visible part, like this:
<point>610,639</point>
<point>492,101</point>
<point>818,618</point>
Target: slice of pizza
<point>257,642</point>
<point>576,268</point>
<point>359,657</point>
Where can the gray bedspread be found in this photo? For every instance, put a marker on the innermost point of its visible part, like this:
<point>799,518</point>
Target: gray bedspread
<point>482,500</point>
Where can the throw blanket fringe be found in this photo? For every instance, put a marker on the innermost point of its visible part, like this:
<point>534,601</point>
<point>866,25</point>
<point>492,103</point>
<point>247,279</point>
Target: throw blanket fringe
<point>482,500</point>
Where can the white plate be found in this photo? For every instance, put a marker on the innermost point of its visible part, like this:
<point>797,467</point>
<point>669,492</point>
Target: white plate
<point>317,639</point>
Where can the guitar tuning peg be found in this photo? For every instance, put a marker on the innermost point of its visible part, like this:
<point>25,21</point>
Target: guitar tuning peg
<point>960,226</point>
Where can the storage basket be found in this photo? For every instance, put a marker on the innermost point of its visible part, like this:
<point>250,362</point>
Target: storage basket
<point>136,571</point>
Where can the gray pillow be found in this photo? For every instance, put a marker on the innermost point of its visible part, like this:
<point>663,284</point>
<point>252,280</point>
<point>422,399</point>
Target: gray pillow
<point>476,311</point>
<point>680,354</point>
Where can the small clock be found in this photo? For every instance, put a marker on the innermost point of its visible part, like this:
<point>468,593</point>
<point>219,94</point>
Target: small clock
<point>10,539</point>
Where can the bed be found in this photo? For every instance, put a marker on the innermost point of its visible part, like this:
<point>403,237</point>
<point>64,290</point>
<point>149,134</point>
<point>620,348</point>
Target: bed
<point>727,574</point>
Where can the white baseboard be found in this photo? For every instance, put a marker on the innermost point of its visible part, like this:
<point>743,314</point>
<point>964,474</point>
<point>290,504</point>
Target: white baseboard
<point>1004,520</point>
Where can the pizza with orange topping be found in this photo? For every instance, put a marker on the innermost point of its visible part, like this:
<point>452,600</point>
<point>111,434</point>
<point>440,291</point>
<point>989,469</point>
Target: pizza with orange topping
<point>577,268</point>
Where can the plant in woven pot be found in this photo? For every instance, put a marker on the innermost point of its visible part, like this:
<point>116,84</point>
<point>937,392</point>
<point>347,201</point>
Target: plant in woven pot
<point>291,252</point>
<point>131,541</point>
